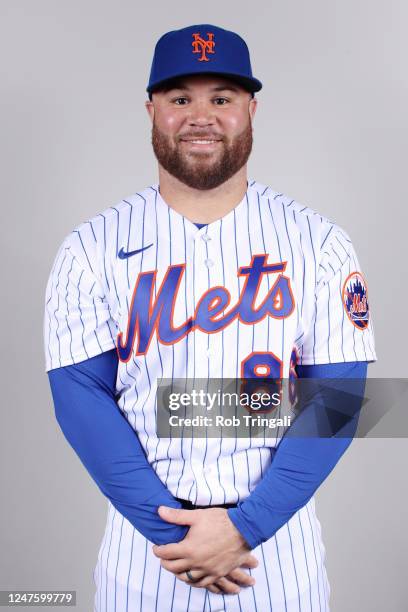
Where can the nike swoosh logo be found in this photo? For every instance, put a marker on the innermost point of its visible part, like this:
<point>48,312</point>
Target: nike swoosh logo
<point>125,254</point>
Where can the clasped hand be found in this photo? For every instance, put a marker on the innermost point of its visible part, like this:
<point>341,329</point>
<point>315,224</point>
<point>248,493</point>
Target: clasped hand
<point>213,550</point>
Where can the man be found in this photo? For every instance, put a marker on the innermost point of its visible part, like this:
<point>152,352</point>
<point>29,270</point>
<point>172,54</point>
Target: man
<point>207,274</point>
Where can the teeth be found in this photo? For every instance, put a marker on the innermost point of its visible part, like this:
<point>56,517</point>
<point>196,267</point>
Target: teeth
<point>203,141</point>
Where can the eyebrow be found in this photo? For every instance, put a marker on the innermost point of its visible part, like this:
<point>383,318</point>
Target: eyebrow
<point>182,85</point>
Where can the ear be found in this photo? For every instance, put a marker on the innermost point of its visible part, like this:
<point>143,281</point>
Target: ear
<point>150,109</point>
<point>253,105</point>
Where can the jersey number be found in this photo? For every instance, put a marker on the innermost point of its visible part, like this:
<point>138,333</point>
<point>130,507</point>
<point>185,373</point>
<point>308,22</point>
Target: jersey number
<point>266,365</point>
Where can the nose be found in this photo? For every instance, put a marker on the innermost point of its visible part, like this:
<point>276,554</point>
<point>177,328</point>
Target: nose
<point>201,113</point>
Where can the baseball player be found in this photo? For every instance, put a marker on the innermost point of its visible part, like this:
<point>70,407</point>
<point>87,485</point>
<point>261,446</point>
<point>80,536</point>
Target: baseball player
<point>206,274</point>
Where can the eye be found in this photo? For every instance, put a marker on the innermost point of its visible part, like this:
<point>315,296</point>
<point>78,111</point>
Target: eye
<point>221,101</point>
<point>177,100</point>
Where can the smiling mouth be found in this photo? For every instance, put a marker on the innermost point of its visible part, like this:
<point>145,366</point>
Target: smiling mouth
<point>201,140</point>
<point>201,143</point>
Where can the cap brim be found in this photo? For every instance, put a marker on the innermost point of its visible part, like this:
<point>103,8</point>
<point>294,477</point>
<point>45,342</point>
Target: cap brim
<point>250,84</point>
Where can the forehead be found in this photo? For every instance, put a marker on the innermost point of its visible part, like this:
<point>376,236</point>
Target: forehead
<point>201,82</point>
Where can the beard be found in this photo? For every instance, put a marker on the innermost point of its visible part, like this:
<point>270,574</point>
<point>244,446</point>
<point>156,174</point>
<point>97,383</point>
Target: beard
<point>202,171</point>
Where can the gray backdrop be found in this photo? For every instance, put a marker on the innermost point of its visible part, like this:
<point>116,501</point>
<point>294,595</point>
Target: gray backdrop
<point>331,132</point>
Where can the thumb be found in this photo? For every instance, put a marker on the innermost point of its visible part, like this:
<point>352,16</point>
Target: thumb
<point>178,516</point>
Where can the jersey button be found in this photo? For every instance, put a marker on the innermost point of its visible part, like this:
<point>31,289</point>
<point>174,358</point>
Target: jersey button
<point>206,237</point>
<point>209,263</point>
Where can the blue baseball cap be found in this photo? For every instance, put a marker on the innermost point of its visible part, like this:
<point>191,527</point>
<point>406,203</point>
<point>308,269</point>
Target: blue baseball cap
<point>201,49</point>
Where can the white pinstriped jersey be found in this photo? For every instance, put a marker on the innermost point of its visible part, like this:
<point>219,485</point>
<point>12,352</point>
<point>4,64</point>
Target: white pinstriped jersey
<point>314,301</point>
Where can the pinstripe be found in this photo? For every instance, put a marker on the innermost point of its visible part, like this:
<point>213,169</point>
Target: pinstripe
<point>318,566</point>
<point>338,256</point>
<point>155,293</point>
<point>158,588</point>
<point>172,595</point>
<point>98,595</point>
<point>239,289</point>
<point>128,240</point>
<point>280,570</point>
<point>311,244</point>
<point>238,373</point>
<point>222,361</point>
<point>83,247</point>
<point>194,304</point>
<point>326,237</point>
<point>107,562</point>
<point>253,338</point>
<point>307,565</point>
<point>144,356</point>
<point>132,404</point>
<point>208,378</point>
<point>128,576</point>
<point>342,318</point>
<point>92,230</point>
<point>193,483</point>
<point>282,350</point>
<point>67,315</point>
<point>186,366</point>
<point>57,308</point>
<point>222,369</point>
<point>189,596</point>
<point>117,559</point>
<point>80,314</point>
<point>318,540</point>
<point>172,362</point>
<point>294,564</point>
<point>289,240</point>
<point>266,577</point>
<point>143,577</point>
<point>104,251</point>
<point>304,269</point>
<point>342,246</point>
<point>299,337</point>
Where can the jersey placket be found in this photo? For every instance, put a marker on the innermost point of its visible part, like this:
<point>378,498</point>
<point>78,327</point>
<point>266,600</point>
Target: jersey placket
<point>203,262</point>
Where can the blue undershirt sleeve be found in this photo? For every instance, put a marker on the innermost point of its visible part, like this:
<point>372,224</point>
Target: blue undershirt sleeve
<point>107,445</point>
<point>300,464</point>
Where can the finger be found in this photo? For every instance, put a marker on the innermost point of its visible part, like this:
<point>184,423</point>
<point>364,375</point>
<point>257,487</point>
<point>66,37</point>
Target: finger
<point>206,581</point>
<point>178,566</point>
<point>171,551</point>
<point>228,586</point>
<point>241,577</point>
<point>213,589</point>
<point>200,576</point>
<point>250,561</point>
<point>178,516</point>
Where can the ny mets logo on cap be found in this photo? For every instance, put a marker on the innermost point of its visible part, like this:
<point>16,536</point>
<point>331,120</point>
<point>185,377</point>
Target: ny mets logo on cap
<point>202,46</point>
<point>355,299</point>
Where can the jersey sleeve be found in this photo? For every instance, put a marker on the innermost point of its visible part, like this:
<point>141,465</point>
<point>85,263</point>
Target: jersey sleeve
<point>339,326</point>
<point>77,319</point>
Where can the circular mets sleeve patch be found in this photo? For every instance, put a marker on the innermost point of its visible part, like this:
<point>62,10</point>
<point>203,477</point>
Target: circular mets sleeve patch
<point>355,299</point>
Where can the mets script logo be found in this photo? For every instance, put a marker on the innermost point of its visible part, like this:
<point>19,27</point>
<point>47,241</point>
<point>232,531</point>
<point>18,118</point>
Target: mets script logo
<point>149,315</point>
<point>202,46</point>
<point>355,299</point>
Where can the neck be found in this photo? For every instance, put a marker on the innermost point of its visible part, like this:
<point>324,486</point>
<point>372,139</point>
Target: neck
<point>203,206</point>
